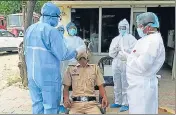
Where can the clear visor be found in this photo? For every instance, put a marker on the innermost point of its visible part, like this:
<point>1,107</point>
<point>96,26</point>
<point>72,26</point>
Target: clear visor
<point>72,27</point>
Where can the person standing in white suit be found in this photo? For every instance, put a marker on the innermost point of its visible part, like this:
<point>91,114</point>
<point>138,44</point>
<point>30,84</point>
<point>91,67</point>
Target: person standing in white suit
<point>143,63</point>
<point>73,41</point>
<point>120,47</point>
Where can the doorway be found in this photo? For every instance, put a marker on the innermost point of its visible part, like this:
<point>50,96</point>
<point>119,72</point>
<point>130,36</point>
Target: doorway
<point>166,17</point>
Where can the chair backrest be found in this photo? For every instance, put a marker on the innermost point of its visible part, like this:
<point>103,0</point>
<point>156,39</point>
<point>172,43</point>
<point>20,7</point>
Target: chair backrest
<point>105,61</point>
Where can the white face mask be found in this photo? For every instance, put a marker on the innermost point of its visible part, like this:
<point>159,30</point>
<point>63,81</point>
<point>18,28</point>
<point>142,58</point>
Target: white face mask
<point>140,32</point>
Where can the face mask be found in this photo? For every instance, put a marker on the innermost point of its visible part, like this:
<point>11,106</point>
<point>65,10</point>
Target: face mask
<point>140,32</point>
<point>72,32</point>
<point>54,21</point>
<point>122,32</point>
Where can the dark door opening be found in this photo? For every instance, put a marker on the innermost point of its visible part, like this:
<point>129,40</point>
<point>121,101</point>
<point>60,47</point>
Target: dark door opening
<point>87,21</point>
<point>166,17</point>
<point>110,19</point>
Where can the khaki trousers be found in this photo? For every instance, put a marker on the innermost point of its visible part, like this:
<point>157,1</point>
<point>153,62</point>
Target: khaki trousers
<point>85,108</point>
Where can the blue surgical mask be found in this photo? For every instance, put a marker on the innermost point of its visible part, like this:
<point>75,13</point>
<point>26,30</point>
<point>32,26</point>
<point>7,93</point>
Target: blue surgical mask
<point>122,32</point>
<point>54,21</point>
<point>140,32</point>
<point>72,32</point>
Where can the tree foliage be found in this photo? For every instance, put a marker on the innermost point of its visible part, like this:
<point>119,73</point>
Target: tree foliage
<point>11,7</point>
<point>39,5</point>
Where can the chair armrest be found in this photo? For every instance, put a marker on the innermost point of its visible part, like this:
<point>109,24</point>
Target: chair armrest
<point>103,110</point>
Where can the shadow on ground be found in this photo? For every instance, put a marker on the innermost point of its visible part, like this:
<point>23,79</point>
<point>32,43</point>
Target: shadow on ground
<point>8,53</point>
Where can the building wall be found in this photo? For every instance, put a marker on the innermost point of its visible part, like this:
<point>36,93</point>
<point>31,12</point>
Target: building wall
<point>66,18</point>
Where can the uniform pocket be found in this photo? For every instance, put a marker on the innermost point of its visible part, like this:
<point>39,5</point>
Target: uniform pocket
<point>76,80</point>
<point>91,79</point>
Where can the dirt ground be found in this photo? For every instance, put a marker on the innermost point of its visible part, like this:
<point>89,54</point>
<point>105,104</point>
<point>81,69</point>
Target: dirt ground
<point>14,99</point>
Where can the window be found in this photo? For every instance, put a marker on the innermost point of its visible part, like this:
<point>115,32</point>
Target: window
<point>110,19</point>
<point>15,20</point>
<point>87,21</point>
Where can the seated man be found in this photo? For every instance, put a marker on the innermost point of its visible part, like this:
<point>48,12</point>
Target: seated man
<point>83,77</point>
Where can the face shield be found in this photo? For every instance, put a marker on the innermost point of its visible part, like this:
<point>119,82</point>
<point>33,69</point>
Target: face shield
<point>72,30</point>
<point>122,30</point>
<point>123,27</point>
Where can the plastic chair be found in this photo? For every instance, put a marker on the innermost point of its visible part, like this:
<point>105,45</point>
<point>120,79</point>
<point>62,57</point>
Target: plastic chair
<point>106,61</point>
<point>103,110</point>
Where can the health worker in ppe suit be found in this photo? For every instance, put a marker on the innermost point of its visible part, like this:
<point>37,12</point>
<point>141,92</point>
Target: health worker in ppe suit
<point>44,49</point>
<point>119,48</point>
<point>72,41</point>
<point>143,63</point>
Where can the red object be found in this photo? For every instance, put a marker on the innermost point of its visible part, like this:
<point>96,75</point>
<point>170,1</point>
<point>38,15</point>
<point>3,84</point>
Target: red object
<point>2,27</point>
<point>15,32</point>
<point>134,51</point>
<point>2,23</point>
<point>16,29</point>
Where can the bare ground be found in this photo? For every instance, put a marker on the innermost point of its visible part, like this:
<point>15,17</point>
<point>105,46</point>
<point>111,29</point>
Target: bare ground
<point>14,99</point>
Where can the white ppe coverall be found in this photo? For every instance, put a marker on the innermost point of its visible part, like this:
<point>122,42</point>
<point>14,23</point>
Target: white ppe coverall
<point>143,63</point>
<point>119,48</point>
<point>72,41</point>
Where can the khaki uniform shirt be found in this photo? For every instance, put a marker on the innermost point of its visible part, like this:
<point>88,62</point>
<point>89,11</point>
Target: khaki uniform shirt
<point>82,79</point>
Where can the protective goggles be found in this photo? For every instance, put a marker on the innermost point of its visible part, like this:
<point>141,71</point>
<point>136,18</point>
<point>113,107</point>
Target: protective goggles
<point>122,28</point>
<point>57,16</point>
<point>72,27</point>
<point>145,24</point>
<point>61,30</point>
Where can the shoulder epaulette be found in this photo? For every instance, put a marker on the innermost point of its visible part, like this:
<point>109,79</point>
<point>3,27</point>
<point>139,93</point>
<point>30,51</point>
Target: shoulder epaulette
<point>92,64</point>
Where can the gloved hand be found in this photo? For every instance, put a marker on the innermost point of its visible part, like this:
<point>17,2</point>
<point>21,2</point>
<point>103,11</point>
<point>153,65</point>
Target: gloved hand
<point>127,50</point>
<point>122,56</point>
<point>116,47</point>
<point>126,54</point>
<point>80,50</point>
